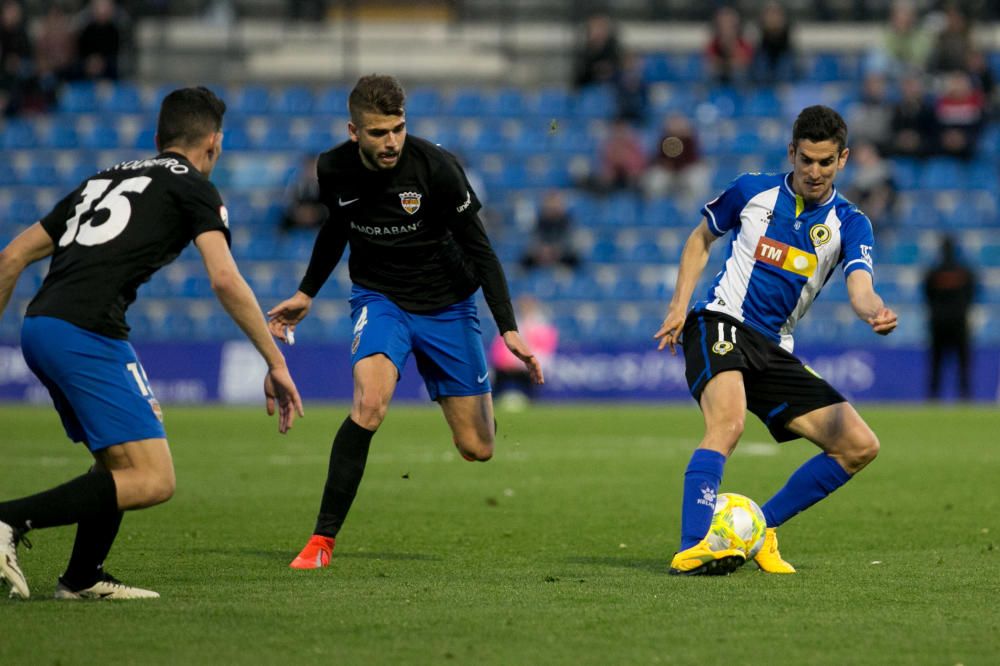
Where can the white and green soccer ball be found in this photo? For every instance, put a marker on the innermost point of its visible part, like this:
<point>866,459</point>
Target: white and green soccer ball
<point>737,523</point>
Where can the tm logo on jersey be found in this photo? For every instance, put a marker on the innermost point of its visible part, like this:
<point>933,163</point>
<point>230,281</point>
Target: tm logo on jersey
<point>410,201</point>
<point>785,257</point>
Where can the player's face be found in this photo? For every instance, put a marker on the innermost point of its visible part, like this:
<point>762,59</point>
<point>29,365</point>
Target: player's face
<point>814,167</point>
<point>380,139</point>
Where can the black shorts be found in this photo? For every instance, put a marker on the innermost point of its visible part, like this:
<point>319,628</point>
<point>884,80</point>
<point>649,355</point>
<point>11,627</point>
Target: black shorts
<point>779,386</point>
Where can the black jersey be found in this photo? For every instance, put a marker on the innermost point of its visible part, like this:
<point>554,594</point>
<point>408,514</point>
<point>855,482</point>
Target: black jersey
<point>413,230</point>
<point>115,230</point>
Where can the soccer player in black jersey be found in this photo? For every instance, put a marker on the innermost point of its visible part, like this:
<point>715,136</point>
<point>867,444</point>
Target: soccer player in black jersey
<point>418,255</point>
<point>106,238</point>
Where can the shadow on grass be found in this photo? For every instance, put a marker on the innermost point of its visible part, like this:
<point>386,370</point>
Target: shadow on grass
<point>657,565</point>
<point>286,555</point>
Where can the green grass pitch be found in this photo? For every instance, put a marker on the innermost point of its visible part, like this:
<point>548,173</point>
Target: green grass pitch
<point>555,552</point>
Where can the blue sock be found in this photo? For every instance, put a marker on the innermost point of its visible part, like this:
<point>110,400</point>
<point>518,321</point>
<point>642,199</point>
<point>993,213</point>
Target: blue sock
<point>701,484</point>
<point>815,479</point>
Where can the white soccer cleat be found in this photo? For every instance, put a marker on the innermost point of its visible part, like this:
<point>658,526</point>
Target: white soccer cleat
<point>108,587</point>
<point>10,571</point>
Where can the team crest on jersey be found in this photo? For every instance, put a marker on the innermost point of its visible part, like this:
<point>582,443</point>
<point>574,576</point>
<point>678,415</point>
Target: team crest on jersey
<point>820,234</point>
<point>410,201</point>
<point>722,347</point>
<point>224,214</point>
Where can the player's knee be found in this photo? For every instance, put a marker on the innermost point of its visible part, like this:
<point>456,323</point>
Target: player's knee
<point>157,489</point>
<point>727,430</point>
<point>475,449</point>
<point>863,449</point>
<point>369,413</point>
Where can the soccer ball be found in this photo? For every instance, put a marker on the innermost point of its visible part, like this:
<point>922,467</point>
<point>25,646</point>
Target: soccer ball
<point>737,523</point>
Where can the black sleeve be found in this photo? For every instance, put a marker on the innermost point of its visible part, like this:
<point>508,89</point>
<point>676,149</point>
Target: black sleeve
<point>460,210</point>
<point>203,206</point>
<point>55,222</point>
<point>470,235</point>
<point>327,251</point>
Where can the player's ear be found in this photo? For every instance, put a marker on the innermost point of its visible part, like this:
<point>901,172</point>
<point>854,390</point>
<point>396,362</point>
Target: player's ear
<point>352,130</point>
<point>791,153</point>
<point>843,157</point>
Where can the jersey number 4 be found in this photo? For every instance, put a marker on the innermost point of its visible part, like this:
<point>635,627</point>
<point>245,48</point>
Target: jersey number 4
<point>118,206</point>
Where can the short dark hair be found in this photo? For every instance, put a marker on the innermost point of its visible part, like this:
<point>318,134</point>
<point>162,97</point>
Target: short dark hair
<point>376,93</point>
<point>188,115</point>
<point>820,123</point>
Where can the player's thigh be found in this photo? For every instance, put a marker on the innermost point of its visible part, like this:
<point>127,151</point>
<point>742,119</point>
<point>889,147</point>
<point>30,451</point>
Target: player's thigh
<point>470,418</point>
<point>839,431</point>
<point>449,351</point>
<point>143,471</point>
<point>101,389</point>
<point>723,405</point>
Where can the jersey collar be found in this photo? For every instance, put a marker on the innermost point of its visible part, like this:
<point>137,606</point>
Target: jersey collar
<point>787,184</point>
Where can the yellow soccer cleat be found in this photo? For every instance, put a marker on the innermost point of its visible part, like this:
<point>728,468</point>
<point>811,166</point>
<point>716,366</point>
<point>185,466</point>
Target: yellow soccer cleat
<point>769,558</point>
<point>701,560</point>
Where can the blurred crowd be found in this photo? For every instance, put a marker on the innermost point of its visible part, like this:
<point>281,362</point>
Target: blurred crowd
<point>71,41</point>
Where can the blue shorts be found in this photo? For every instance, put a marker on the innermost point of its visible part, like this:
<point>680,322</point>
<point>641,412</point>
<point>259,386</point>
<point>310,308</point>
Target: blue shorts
<point>97,384</point>
<point>447,343</point>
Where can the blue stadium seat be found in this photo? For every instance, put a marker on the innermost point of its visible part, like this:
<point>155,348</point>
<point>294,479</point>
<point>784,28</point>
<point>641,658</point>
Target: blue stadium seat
<point>41,173</point>
<point>145,139</point>
<point>511,103</point>
<point>595,102</point>
<point>657,68</point>
<point>123,97</point>
<point>646,252</point>
<point>942,173</point>
<point>8,175</point>
<point>688,67</point>
<point>23,210</point>
<point>604,251</point>
<point>19,134</point>
<point>469,102</point>
<point>62,134</point>
<point>763,103</point>
<point>294,101</point>
<point>906,173</point>
<point>424,102</point>
<point>552,103</point>
<point>333,101</point>
<point>661,212</point>
<point>236,137</point>
<point>80,97</point>
<point>251,100</point>
<point>277,136</point>
<point>102,136</point>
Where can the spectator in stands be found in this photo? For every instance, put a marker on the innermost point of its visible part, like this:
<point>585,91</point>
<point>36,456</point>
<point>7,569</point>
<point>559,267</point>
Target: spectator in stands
<point>55,45</point>
<point>953,42</point>
<point>872,187</point>
<point>305,210</point>
<point>960,111</point>
<point>906,45</point>
<point>99,42</point>
<point>774,57</point>
<point>979,69</point>
<point>599,58</point>
<point>622,160</point>
<point>728,54</point>
<point>914,128</point>
<point>512,385</point>
<point>15,44</point>
<point>949,288</point>
<point>631,90</point>
<point>870,118</point>
<point>551,240</point>
<point>676,169</point>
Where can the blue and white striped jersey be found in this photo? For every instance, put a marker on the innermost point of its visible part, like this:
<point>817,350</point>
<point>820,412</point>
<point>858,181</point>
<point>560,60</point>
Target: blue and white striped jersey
<point>781,251</point>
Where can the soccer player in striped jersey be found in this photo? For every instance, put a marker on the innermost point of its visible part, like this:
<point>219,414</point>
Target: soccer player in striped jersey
<point>788,233</point>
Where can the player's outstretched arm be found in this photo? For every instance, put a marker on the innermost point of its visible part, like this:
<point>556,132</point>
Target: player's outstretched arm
<point>286,315</point>
<point>239,301</point>
<point>29,246</point>
<point>868,305</point>
<point>519,348</point>
<point>693,260</point>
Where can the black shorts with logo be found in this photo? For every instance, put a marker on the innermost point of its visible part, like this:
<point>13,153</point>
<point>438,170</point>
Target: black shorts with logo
<point>779,386</point>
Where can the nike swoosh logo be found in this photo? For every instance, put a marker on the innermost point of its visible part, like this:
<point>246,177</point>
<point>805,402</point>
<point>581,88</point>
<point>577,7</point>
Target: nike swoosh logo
<point>483,378</point>
<point>343,203</point>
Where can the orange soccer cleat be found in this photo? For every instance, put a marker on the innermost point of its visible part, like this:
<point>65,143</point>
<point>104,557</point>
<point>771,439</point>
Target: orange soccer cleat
<point>316,554</point>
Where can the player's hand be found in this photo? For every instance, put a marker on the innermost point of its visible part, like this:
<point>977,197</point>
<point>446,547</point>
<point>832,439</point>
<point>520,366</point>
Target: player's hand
<point>883,322</point>
<point>285,316</point>
<point>669,332</point>
<point>280,391</point>
<point>520,349</point>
